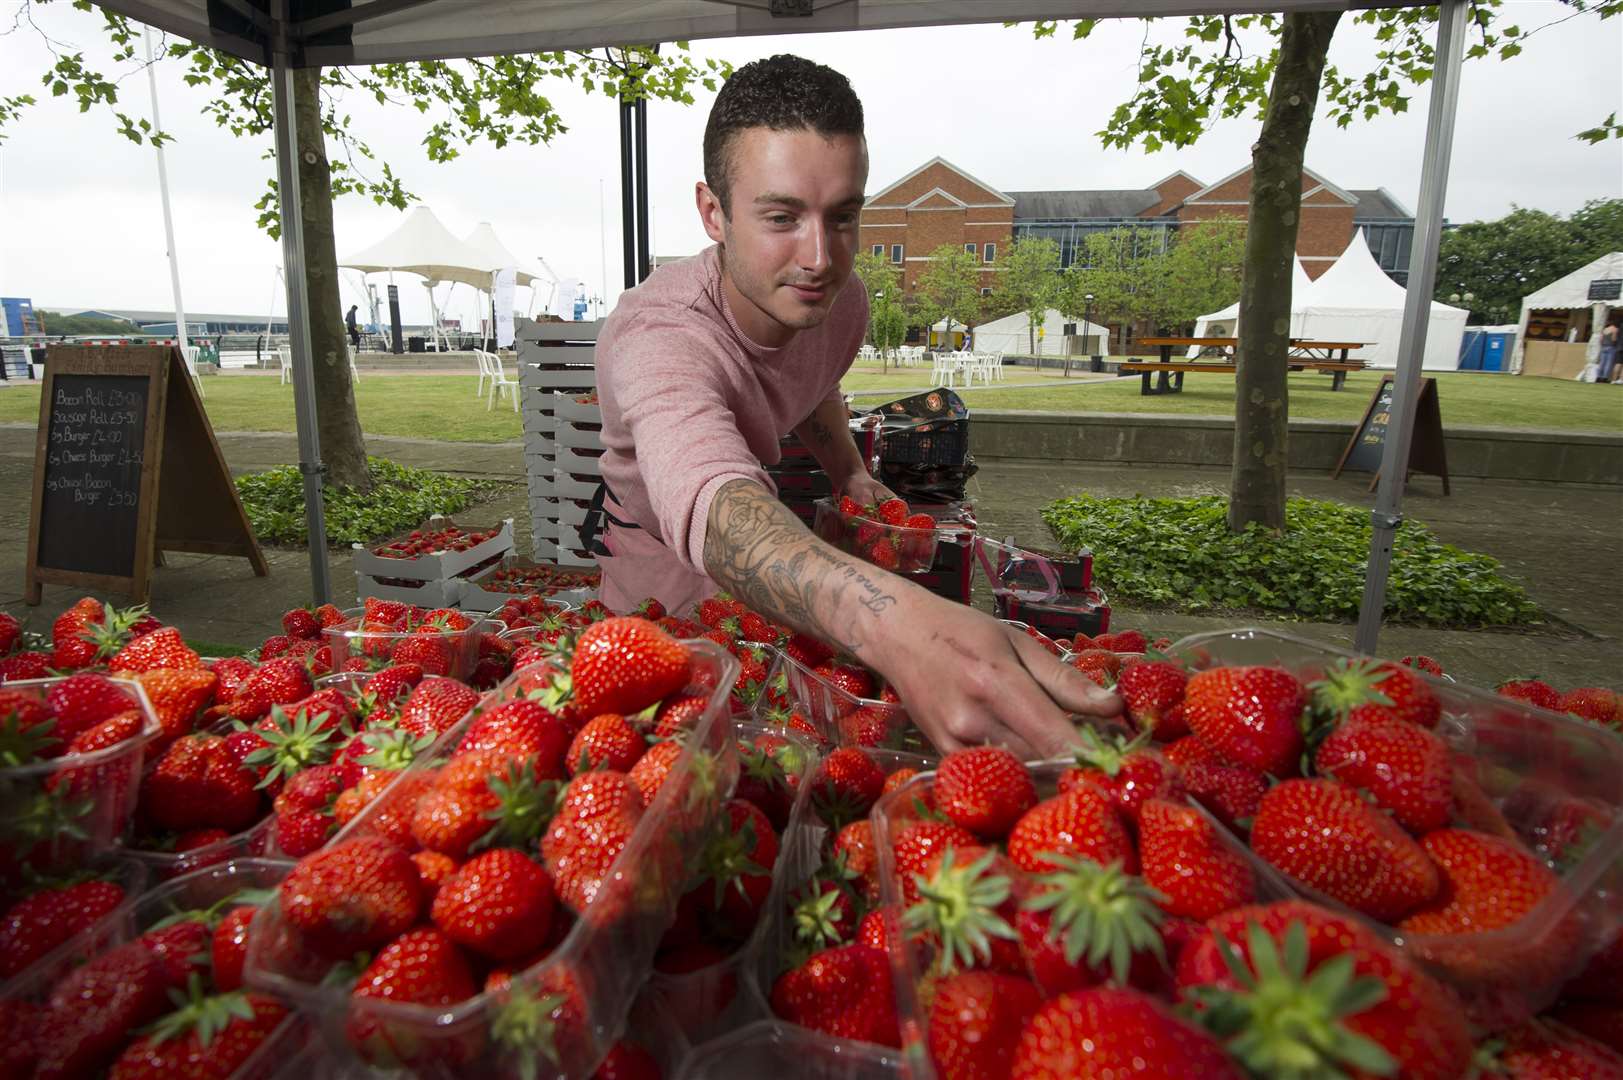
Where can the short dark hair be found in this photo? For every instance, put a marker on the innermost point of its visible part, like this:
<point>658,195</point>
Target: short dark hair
<point>783,93</point>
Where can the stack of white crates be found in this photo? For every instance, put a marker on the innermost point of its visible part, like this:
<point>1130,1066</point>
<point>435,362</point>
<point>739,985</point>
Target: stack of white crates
<point>561,435</point>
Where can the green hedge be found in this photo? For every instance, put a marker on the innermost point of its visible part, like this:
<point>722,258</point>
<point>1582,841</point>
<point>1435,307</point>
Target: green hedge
<point>401,498</point>
<point>1180,554</point>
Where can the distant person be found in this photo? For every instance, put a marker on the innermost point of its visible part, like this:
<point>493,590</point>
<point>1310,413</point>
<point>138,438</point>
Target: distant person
<point>354,327</point>
<point>1608,352</point>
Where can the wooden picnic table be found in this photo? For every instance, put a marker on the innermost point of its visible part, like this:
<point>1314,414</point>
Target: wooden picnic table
<point>1304,354</point>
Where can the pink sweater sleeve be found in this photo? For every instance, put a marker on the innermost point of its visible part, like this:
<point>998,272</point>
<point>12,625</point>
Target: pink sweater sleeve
<point>687,438</point>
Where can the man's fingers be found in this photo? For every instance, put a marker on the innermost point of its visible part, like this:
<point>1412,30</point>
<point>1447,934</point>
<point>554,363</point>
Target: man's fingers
<point>1027,709</point>
<point>1069,688</point>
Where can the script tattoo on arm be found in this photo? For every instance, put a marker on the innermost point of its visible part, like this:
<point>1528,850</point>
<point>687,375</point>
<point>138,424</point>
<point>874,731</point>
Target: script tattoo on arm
<point>756,547</point>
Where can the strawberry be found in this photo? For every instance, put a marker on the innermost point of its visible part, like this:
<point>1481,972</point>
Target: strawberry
<point>1423,663</point>
<point>874,930</point>
<point>1352,685</point>
<point>917,846</point>
<point>626,664</point>
<point>41,921</point>
<point>850,678</point>
<point>429,649</point>
<point>24,665</point>
<point>301,623</point>
<point>1325,835</point>
<point>1540,1050</point>
<point>1533,691</point>
<point>1231,792</point>
<point>1247,714</point>
<point>967,906</point>
<point>1097,662</point>
<point>73,635</point>
<point>1197,875</point>
<point>654,768</point>
<point>228,947</point>
<point>606,742</point>
<point>393,682</point>
<point>596,816</point>
<point>277,645</point>
<point>518,729</point>
<point>628,1061</point>
<point>763,781</point>
<point>899,779</point>
<point>1082,822</point>
<point>1105,1032</point>
<point>807,650</point>
<point>735,866</point>
<point>92,1011</point>
<point>288,745</point>
<point>975,1021</point>
<point>231,671</point>
<point>1124,641</point>
<point>844,992</point>
<point>1127,771</point>
<point>435,705</point>
<point>846,786</point>
<point>1357,1003</point>
<point>1149,690</point>
<point>1596,704</point>
<point>352,896</point>
<point>434,870</point>
<point>1085,924</point>
<point>479,799</point>
<point>919,521</point>
<point>206,1036</point>
<point>198,784</point>
<point>422,967</point>
<point>858,859</point>
<point>10,631</point>
<point>281,681</point>
<point>498,904</point>
<point>1404,767</point>
<point>893,511</point>
<point>82,701</point>
<point>161,650</point>
<point>822,915</point>
<point>177,697</point>
<point>985,789</point>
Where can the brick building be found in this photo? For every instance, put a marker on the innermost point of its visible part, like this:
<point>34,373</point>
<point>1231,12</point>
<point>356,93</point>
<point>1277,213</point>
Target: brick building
<point>940,203</point>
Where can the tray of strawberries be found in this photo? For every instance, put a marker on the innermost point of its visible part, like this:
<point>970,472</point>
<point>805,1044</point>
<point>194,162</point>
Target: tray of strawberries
<point>442,641</point>
<point>511,885</point>
<point>517,578</point>
<point>437,550</point>
<point>889,535</point>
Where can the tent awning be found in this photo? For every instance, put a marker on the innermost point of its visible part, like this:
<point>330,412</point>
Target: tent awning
<point>385,31</point>
<point>1572,291</point>
<point>422,245</point>
<point>484,240</point>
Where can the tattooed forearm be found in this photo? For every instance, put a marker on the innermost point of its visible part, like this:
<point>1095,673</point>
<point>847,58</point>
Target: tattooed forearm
<point>758,549</point>
<point>828,437</point>
<point>819,431</point>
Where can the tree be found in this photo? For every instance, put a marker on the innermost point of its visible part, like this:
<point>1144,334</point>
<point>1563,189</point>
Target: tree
<point>84,324</point>
<point>951,283</point>
<point>1202,270</point>
<point>882,279</point>
<point>1497,263</point>
<point>887,325</point>
<point>1182,88</point>
<point>494,99</point>
<point>1030,281</point>
<point>1125,270</point>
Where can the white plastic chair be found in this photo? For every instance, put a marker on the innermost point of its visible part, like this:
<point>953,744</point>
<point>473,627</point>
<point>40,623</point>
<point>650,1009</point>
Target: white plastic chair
<point>484,372</point>
<point>192,352</point>
<point>284,356</point>
<point>499,382</point>
<point>354,372</point>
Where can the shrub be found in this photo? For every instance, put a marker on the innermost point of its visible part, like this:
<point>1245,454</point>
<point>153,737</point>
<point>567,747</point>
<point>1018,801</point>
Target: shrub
<point>1180,554</point>
<point>401,498</point>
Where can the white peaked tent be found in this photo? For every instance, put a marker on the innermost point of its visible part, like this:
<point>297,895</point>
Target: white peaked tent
<point>1012,334</point>
<point>1226,323</point>
<point>422,245</point>
<point>1567,294</point>
<point>483,240</point>
<point>1355,300</point>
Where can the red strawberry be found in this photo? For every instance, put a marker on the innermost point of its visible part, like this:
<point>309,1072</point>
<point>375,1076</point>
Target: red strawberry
<point>1151,689</point>
<point>762,778</point>
<point>919,521</point>
<point>626,664</point>
<point>853,680</point>
<point>654,768</point>
<point>596,816</point>
<point>1085,924</point>
<point>353,896</point>
<point>228,947</point>
<point>985,789</point>
<point>1083,822</point>
<point>1540,1050</point>
<point>1596,704</point>
<point>822,915</point>
<point>1423,663</point>
<point>1101,664</point>
<point>917,847</point>
<point>207,1036</point>
<point>968,904</point>
<point>1105,1033</point>
<point>1534,691</point>
<point>10,631</point>
<point>41,921</point>
<point>520,729</point>
<point>80,702</point>
<point>393,682</point>
<point>93,1010</point>
<point>232,672</point>
<point>1124,641</point>
<point>1357,1004</point>
<point>198,784</point>
<point>846,786</point>
<point>874,930</point>
<point>429,648</point>
<point>858,858</point>
<point>844,992</point>
<point>24,665</point>
<point>893,512</point>
<point>1324,834</point>
<point>1231,792</point>
<point>498,904</point>
<point>606,742</point>
<point>178,697</point>
<point>975,1021</point>
<point>808,651</point>
<point>735,866</point>
<point>1128,771</point>
<point>1183,857</point>
<point>1350,684</point>
<point>301,623</point>
<point>1248,714</point>
<point>281,681</point>
<point>74,633</point>
<point>422,967</point>
<point>435,705</point>
<point>1404,766</point>
<point>161,650</point>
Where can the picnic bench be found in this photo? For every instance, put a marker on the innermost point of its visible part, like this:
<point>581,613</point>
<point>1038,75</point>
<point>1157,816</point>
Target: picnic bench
<point>1326,357</point>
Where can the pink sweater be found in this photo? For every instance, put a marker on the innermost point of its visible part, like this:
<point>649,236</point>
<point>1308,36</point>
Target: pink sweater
<point>690,403</point>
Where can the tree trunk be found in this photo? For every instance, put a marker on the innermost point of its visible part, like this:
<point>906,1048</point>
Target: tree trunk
<point>342,449</point>
<point>1261,405</point>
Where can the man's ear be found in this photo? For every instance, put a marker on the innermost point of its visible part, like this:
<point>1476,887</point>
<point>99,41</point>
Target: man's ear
<point>711,214</point>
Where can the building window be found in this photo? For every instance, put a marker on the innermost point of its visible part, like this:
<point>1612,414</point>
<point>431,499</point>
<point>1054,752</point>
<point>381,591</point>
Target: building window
<point>991,252</point>
<point>879,251</point>
<point>972,249</point>
<point>986,292</point>
<point>895,253</point>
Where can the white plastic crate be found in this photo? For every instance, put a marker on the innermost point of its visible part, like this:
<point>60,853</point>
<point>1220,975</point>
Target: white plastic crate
<point>571,460</point>
<point>565,486</point>
<point>442,592</point>
<point>566,408</point>
<point>568,434</point>
<point>439,565</point>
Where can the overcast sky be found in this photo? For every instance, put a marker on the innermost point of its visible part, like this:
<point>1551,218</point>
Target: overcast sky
<point>80,223</point>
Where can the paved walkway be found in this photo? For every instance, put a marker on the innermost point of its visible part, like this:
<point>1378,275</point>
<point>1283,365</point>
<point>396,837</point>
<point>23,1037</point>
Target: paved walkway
<point>1561,540</point>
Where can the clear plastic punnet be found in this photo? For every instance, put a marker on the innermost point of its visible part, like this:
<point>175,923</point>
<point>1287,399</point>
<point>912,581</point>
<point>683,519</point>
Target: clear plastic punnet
<point>770,1048</point>
<point>912,962</point>
<point>60,812</point>
<point>200,890</point>
<point>840,718</point>
<point>128,875</point>
<point>1551,783</point>
<point>457,650</point>
<point>574,1002</point>
<point>891,547</point>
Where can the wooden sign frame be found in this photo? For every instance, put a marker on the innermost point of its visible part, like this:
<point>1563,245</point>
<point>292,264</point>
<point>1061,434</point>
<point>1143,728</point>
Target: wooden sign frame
<point>1427,453</point>
<point>197,510</point>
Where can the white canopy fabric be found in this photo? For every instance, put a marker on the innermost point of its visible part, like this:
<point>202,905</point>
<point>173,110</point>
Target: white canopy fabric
<point>422,245</point>
<point>1012,334</point>
<point>483,239</point>
<point>1226,323</point>
<point>381,31</point>
<point>1566,294</point>
<point>1355,300</point>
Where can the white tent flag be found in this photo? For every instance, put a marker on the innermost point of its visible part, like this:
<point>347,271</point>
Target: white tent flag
<point>503,296</point>
<point>563,299</point>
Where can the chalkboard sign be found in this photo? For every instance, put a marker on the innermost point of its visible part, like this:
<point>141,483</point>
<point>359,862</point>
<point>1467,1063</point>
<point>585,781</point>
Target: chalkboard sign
<point>1606,289</point>
<point>1367,446</point>
<point>107,500</point>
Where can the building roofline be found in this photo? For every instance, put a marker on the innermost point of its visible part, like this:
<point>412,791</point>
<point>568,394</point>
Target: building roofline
<point>1340,193</point>
<point>1172,176</point>
<point>938,159</point>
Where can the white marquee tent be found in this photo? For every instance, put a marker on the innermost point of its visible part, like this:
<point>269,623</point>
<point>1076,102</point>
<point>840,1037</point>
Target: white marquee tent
<point>1355,300</point>
<point>1012,335</point>
<point>1568,294</point>
<point>1226,323</point>
<point>421,244</point>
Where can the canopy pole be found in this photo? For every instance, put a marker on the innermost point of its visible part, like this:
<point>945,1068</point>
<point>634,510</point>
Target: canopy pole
<point>298,305</point>
<point>1388,513</point>
<point>628,196</point>
<point>168,218</point>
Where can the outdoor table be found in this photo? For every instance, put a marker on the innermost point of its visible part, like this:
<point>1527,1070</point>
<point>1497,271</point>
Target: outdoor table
<point>1304,354</point>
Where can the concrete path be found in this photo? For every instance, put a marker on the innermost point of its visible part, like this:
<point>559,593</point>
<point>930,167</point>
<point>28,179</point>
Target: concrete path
<point>1560,540</point>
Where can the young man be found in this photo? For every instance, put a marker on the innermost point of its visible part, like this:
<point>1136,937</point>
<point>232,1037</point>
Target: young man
<point>706,364</point>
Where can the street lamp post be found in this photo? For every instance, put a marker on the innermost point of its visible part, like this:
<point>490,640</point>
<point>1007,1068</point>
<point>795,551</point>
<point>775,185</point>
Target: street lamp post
<point>1097,362</point>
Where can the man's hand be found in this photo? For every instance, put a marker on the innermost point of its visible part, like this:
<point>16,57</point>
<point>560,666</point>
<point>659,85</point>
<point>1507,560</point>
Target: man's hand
<point>967,680</point>
<point>866,490</point>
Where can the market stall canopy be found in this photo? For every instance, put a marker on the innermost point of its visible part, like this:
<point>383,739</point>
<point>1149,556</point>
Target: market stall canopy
<point>1572,291</point>
<point>336,32</point>
<point>421,245</point>
<point>1355,300</point>
<point>483,239</point>
<point>1012,334</point>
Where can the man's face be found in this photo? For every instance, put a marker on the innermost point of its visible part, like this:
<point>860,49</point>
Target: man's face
<point>791,238</point>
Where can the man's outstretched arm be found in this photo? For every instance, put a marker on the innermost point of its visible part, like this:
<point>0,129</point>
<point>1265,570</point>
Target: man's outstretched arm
<point>965,677</point>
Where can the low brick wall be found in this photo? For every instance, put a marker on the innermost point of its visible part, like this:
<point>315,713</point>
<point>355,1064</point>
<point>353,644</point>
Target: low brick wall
<point>1490,453</point>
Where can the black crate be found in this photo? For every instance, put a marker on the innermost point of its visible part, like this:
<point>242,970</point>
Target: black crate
<point>1062,620</point>
<point>929,442</point>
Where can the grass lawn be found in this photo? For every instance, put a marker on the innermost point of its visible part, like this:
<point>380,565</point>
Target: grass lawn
<point>443,406</point>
